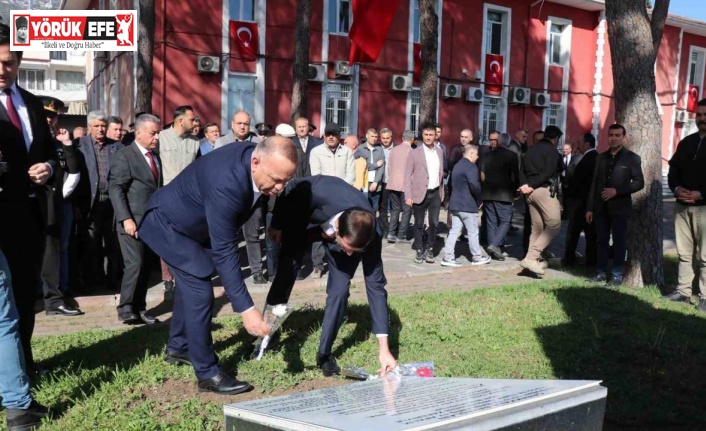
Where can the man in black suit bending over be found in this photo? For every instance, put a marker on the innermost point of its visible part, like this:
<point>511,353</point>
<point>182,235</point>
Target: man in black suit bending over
<point>328,209</point>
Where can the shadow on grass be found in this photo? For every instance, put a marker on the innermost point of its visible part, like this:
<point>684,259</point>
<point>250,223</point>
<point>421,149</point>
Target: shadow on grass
<point>652,361</point>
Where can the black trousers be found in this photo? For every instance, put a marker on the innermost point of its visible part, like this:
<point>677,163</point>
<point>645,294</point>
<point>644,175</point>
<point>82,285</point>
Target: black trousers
<point>251,234</point>
<point>133,290</point>
<point>398,205</point>
<point>575,210</point>
<point>22,239</point>
<point>431,205</point>
<point>384,208</point>
<point>51,269</point>
<point>100,244</point>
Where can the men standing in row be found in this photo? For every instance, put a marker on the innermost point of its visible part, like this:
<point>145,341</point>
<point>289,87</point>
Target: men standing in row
<point>567,175</point>
<point>193,225</point>
<point>617,176</point>
<point>211,133</point>
<point>332,158</point>
<point>239,131</point>
<point>500,174</point>
<point>304,141</point>
<point>30,156</point>
<point>395,186</point>
<point>178,147</point>
<point>423,190</point>
<point>540,165</point>
<point>96,229</point>
<point>575,198</point>
<point>375,158</point>
<point>386,142</point>
<point>687,180</point>
<point>135,174</point>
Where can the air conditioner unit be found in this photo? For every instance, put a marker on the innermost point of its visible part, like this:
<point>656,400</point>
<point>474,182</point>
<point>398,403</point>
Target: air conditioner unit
<point>342,68</point>
<point>519,95</point>
<point>682,116</point>
<point>452,91</point>
<point>317,72</point>
<point>208,64</point>
<point>400,83</point>
<point>474,94</point>
<point>540,100</point>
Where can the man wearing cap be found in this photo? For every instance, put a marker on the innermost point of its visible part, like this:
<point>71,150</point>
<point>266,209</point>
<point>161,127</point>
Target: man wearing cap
<point>55,268</point>
<point>263,130</point>
<point>21,26</point>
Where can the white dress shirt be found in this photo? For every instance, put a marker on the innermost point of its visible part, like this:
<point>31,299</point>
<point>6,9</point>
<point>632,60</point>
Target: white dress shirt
<point>567,160</point>
<point>433,166</point>
<point>22,112</point>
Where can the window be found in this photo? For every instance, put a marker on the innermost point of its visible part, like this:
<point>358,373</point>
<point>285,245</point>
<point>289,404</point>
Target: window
<point>340,16</point>
<point>492,115</point>
<point>416,100</point>
<point>338,105</point>
<point>554,115</point>
<point>242,10</point>
<point>416,17</point>
<point>241,95</point>
<point>70,80</point>
<point>696,68</point>
<point>494,33</point>
<point>57,55</point>
<point>31,79</point>
<point>555,34</point>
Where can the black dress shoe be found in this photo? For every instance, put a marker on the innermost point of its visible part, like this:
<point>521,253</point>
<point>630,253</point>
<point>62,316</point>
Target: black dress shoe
<point>64,310</point>
<point>26,419</point>
<point>301,275</point>
<point>495,252</point>
<point>149,320</point>
<point>328,366</point>
<point>177,358</point>
<point>222,383</point>
<point>129,318</point>
<point>259,279</point>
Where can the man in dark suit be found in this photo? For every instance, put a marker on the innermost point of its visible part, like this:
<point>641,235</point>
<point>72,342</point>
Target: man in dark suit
<point>135,174</point>
<point>193,225</point>
<point>29,159</point>
<point>569,161</point>
<point>304,141</point>
<point>96,228</point>
<point>501,178</point>
<point>575,198</point>
<point>327,208</point>
<point>618,175</point>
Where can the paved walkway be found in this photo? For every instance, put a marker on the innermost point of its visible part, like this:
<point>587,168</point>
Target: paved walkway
<point>404,278</point>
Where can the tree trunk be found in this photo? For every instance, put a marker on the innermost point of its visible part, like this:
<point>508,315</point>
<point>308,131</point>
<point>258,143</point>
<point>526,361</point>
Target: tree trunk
<point>634,40</point>
<point>429,39</point>
<point>145,49</point>
<point>301,60</point>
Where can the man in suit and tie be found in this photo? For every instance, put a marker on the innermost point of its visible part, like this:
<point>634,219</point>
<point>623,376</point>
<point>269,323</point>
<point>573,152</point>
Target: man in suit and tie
<point>575,198</point>
<point>96,227</point>
<point>29,159</point>
<point>193,225</point>
<point>567,174</point>
<point>618,175</point>
<point>304,141</point>
<point>327,208</point>
<point>135,174</point>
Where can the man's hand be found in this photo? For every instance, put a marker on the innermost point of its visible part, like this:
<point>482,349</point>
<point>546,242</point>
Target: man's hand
<point>525,189</point>
<point>380,163</point>
<point>254,323</point>
<point>695,195</point>
<point>275,235</point>
<point>373,186</point>
<point>64,137</point>
<point>608,193</point>
<point>409,202</point>
<point>589,217</point>
<point>39,173</point>
<point>387,363</point>
<point>130,228</point>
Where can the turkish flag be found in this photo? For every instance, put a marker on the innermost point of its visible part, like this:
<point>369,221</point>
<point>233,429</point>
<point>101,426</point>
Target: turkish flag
<point>371,22</point>
<point>693,98</point>
<point>417,53</point>
<point>493,74</point>
<point>244,39</point>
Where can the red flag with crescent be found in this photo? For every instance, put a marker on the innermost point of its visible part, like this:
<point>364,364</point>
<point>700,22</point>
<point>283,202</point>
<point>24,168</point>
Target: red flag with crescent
<point>371,22</point>
<point>244,39</point>
<point>417,53</point>
<point>693,98</point>
<point>493,74</point>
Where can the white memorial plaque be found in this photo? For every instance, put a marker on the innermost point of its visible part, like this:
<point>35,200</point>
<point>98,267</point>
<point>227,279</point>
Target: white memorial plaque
<point>410,404</point>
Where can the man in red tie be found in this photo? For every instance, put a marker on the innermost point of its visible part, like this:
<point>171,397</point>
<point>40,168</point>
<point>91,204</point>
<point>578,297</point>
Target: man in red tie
<point>28,150</point>
<point>135,174</point>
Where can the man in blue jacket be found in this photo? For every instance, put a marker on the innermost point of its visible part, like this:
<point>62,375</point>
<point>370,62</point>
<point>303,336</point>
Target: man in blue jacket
<point>463,205</point>
<point>193,224</point>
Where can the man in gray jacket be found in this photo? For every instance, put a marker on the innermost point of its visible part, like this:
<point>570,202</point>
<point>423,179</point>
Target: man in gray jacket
<point>375,157</point>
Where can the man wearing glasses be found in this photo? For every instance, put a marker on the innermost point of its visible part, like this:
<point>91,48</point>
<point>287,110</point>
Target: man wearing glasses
<point>328,209</point>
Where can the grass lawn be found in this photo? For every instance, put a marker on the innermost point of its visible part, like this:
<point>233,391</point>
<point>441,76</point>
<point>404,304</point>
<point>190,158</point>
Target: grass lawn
<point>651,356</point>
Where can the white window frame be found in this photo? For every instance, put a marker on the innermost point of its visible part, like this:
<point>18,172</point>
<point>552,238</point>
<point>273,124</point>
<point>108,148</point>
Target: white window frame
<point>36,81</point>
<point>411,112</point>
<point>567,25</point>
<point>346,129</point>
<point>416,17</point>
<point>690,126</point>
<point>336,4</point>
<point>507,28</point>
<point>80,87</point>
<point>240,75</point>
<point>501,112</point>
<point>553,40</point>
<point>238,16</point>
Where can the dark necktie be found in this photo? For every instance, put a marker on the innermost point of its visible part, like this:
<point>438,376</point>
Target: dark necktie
<point>12,112</point>
<point>153,166</point>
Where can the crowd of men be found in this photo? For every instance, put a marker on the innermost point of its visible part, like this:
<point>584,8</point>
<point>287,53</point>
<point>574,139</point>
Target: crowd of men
<point>83,213</point>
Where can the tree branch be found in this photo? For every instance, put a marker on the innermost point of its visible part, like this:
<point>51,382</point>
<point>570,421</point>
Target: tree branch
<point>659,17</point>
